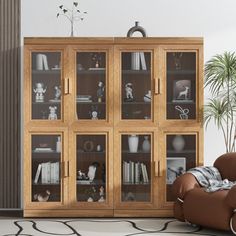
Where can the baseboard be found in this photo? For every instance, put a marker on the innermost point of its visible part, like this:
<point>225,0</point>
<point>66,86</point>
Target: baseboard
<point>11,213</point>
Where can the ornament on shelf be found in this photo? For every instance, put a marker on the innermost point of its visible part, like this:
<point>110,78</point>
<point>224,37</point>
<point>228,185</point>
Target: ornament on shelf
<point>57,92</point>
<point>42,197</point>
<point>148,97</point>
<point>133,143</point>
<point>129,92</point>
<point>178,143</point>
<point>92,170</point>
<point>39,92</point>
<point>94,113</point>
<point>99,148</point>
<point>177,60</point>
<point>58,144</point>
<point>100,91</point>
<point>183,112</point>
<point>146,146</point>
<point>97,60</point>
<point>52,114</point>
<point>101,194</point>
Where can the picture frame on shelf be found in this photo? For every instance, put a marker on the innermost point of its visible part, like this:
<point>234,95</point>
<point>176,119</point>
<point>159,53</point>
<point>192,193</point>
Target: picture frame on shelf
<point>182,91</point>
<point>175,167</point>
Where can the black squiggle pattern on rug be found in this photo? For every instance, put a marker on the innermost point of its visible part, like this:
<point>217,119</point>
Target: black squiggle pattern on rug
<point>66,223</point>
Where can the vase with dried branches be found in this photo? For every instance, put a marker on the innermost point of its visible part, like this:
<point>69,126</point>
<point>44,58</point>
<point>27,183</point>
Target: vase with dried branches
<point>73,15</point>
<point>220,78</point>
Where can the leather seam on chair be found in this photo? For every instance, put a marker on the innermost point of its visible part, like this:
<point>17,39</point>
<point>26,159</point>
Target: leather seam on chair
<point>179,199</point>
<point>231,226</point>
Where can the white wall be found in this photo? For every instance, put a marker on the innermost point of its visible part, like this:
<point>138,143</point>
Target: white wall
<point>212,19</point>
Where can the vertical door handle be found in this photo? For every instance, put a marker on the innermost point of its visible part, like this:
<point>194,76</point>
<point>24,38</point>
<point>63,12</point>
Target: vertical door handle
<point>66,169</point>
<point>67,86</point>
<point>157,86</point>
<point>158,172</point>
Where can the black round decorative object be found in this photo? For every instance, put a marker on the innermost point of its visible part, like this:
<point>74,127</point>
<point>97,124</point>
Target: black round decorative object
<point>135,28</point>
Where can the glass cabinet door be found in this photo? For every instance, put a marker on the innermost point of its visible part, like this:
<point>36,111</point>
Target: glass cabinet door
<point>46,168</point>
<point>91,86</point>
<point>46,86</point>
<point>136,174</point>
<point>181,85</point>
<point>136,89</point>
<point>181,156</point>
<point>91,152</point>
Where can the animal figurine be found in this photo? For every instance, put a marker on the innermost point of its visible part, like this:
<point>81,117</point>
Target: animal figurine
<point>129,92</point>
<point>52,114</point>
<point>42,197</point>
<point>184,93</point>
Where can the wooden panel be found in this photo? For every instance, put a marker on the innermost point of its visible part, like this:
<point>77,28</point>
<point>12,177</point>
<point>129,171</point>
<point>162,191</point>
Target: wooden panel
<point>9,104</point>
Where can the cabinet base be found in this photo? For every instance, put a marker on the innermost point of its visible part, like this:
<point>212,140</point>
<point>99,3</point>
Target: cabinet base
<point>98,213</point>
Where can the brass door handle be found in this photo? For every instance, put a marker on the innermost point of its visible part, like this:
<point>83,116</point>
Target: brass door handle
<point>67,86</point>
<point>158,172</point>
<point>66,169</point>
<point>157,86</point>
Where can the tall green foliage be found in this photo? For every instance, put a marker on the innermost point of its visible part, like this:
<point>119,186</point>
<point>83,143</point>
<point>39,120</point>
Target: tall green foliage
<point>220,78</point>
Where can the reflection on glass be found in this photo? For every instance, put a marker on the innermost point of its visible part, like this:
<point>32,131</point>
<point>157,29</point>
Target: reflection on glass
<point>181,85</point>
<point>136,168</point>
<point>91,168</point>
<point>46,85</point>
<point>136,85</point>
<point>181,156</point>
<point>91,85</point>
<point>46,159</point>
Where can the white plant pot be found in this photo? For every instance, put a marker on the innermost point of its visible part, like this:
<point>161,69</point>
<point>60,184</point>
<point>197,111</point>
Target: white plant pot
<point>178,143</point>
<point>133,143</point>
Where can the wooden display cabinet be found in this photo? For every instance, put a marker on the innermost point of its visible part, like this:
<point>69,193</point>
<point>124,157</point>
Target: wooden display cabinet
<point>109,124</point>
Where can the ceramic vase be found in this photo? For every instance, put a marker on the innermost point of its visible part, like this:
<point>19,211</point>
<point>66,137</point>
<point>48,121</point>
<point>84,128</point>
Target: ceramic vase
<point>133,143</point>
<point>178,143</point>
<point>146,146</point>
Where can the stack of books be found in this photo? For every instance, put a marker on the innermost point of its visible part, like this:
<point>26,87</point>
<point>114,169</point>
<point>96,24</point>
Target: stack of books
<point>84,98</point>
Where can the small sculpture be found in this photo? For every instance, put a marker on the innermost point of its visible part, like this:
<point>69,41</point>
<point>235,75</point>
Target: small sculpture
<point>52,114</point>
<point>183,112</point>
<point>184,93</point>
<point>97,59</point>
<point>177,59</point>
<point>101,194</point>
<point>91,193</point>
<point>92,170</point>
<point>94,113</point>
<point>57,92</point>
<point>39,91</point>
<point>81,175</point>
<point>42,197</point>
<point>100,91</point>
<point>99,148</point>
<point>129,92</point>
<point>147,97</point>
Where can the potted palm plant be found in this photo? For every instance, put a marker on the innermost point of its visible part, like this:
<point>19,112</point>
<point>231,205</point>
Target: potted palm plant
<point>220,78</point>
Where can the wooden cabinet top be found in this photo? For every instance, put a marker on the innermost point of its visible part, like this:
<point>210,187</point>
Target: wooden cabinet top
<point>112,40</point>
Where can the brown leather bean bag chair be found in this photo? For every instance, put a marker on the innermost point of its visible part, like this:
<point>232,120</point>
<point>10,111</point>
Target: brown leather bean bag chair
<point>216,210</point>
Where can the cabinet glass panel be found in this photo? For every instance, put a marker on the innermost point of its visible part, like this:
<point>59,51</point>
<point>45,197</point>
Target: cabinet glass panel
<point>136,88</point>
<point>136,168</point>
<point>91,168</point>
<point>91,85</point>
<point>181,156</point>
<point>181,85</point>
<point>46,85</point>
<point>46,168</point>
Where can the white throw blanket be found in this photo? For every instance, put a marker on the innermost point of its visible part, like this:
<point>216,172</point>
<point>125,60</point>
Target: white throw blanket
<point>210,178</point>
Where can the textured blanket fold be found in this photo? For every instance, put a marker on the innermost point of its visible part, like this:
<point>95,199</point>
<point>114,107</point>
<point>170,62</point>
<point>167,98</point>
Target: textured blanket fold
<point>210,178</point>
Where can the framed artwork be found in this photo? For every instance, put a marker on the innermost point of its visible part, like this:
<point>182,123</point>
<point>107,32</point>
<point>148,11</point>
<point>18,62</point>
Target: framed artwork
<point>176,166</point>
<point>182,91</point>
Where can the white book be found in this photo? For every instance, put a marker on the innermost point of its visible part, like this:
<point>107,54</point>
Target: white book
<point>124,172</point>
<point>45,62</point>
<point>146,175</point>
<point>43,173</point>
<point>143,61</point>
<point>143,173</point>
<point>52,173</point>
<point>48,173</point>
<point>36,178</point>
<point>57,172</point>
<point>132,172</point>
<point>135,61</point>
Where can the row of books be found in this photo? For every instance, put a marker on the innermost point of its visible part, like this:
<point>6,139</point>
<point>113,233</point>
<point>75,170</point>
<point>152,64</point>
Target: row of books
<point>135,172</point>
<point>136,58</point>
<point>49,172</point>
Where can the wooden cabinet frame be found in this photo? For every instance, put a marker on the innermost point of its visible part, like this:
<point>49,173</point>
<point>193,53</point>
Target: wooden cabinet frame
<point>112,127</point>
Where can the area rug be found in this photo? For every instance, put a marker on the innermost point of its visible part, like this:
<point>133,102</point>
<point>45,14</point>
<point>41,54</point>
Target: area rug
<point>102,227</point>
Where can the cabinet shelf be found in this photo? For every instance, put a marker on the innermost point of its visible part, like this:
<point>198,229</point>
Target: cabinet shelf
<point>93,183</point>
<point>136,103</point>
<point>134,153</point>
<point>181,152</point>
<point>90,103</point>
<point>47,103</point>
<point>136,72</point>
<point>48,184</point>
<point>181,102</point>
<point>46,72</point>
<point>87,153</point>
<point>135,184</point>
<point>181,72</point>
<point>91,72</point>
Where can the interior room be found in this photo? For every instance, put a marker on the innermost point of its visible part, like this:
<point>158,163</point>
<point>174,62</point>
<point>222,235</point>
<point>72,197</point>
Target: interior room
<point>117,117</point>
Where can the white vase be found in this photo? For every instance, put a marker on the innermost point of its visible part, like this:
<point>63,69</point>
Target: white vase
<point>133,143</point>
<point>147,97</point>
<point>178,143</point>
<point>146,146</point>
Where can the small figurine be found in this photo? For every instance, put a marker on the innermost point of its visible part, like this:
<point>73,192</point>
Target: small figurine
<point>100,91</point>
<point>183,112</point>
<point>96,58</point>
<point>82,176</point>
<point>42,197</point>
<point>39,91</point>
<point>94,113</point>
<point>91,193</point>
<point>101,194</point>
<point>147,97</point>
<point>99,148</point>
<point>52,114</point>
<point>129,92</point>
<point>184,94</point>
<point>57,92</point>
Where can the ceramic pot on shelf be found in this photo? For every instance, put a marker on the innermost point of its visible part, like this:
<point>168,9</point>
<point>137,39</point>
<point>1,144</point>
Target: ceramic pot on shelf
<point>146,146</point>
<point>178,143</point>
<point>133,143</point>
